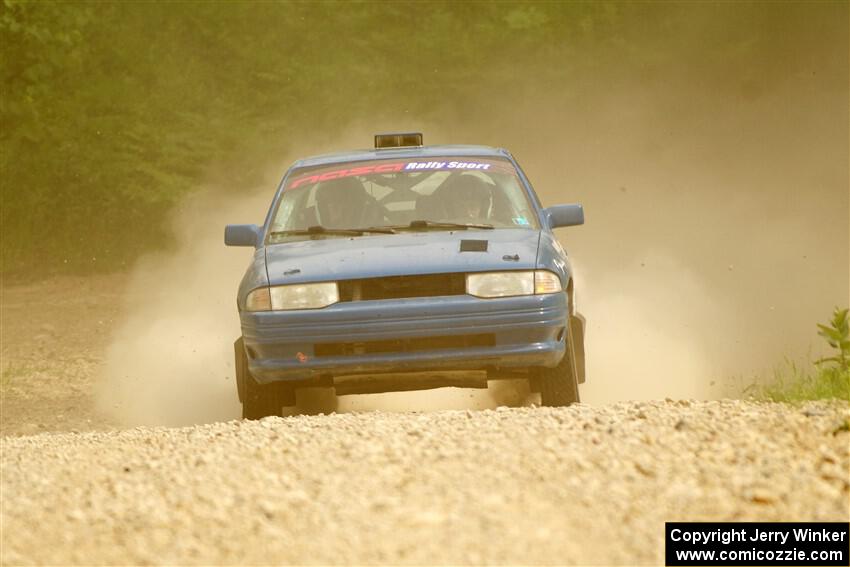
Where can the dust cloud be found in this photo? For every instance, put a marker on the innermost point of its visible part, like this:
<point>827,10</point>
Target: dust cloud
<point>712,248</point>
<point>170,362</point>
<point>688,279</point>
<point>717,235</point>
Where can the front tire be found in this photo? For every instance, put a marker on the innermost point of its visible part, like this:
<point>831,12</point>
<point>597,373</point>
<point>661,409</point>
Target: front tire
<point>258,400</point>
<point>559,385</point>
<point>261,400</point>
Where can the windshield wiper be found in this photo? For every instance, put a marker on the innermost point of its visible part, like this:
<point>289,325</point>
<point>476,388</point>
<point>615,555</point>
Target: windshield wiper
<point>427,224</point>
<point>321,230</point>
<point>377,229</point>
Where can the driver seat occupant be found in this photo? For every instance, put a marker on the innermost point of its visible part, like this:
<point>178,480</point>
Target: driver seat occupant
<point>344,203</point>
<point>468,199</point>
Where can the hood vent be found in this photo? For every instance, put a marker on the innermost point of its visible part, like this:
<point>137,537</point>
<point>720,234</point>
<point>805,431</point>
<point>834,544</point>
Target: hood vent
<point>473,245</point>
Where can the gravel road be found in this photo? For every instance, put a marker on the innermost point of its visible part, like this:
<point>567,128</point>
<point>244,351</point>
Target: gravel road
<point>578,485</point>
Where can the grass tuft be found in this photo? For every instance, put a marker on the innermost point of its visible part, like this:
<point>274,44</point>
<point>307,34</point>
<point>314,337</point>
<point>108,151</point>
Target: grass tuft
<point>826,378</point>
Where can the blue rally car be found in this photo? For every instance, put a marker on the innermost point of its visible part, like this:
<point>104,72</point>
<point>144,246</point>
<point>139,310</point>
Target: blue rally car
<point>406,267</point>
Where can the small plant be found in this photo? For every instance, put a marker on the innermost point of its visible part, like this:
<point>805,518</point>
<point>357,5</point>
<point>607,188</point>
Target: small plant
<point>830,377</point>
<point>838,337</point>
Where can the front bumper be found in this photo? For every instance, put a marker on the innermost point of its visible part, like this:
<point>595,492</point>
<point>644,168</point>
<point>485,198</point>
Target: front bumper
<point>406,335</point>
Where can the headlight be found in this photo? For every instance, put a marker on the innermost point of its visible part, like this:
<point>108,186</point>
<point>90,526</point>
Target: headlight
<point>508,284</point>
<point>297,296</point>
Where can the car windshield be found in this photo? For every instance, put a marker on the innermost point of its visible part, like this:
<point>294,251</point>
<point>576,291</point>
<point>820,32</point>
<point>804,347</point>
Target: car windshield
<point>365,198</point>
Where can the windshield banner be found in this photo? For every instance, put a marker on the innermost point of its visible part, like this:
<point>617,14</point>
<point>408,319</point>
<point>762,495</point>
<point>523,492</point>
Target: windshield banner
<point>445,164</point>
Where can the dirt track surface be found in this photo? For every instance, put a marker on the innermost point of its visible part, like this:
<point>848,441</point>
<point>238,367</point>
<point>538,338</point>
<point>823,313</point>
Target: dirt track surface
<point>579,485</point>
<point>523,485</point>
<point>53,337</point>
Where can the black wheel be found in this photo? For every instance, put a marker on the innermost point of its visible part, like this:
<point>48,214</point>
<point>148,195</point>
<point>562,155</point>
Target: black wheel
<point>559,385</point>
<point>258,400</point>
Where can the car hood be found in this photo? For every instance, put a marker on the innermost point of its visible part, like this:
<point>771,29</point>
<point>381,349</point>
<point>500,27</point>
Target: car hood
<point>400,254</point>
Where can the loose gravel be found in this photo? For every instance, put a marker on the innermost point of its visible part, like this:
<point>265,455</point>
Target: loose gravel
<point>578,485</point>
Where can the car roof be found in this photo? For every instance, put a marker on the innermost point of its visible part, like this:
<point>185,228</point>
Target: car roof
<point>408,152</point>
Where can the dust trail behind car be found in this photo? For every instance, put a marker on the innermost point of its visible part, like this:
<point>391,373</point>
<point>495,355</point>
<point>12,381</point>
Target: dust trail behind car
<point>699,263</point>
<point>170,362</point>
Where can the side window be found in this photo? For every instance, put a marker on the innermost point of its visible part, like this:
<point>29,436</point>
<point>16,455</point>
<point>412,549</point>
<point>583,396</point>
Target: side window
<point>518,211</point>
<point>284,212</point>
<point>534,196</point>
<point>292,201</point>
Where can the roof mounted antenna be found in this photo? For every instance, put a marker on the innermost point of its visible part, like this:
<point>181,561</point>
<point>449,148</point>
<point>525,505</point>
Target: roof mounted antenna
<point>398,140</point>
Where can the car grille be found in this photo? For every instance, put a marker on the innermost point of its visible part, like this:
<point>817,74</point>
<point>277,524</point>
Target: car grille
<point>401,287</point>
<point>404,345</point>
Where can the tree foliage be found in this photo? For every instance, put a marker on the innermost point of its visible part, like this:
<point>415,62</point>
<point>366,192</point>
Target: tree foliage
<point>111,112</point>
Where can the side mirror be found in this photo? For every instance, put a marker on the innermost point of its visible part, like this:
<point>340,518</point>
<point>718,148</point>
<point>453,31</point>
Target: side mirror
<point>564,215</point>
<point>241,235</point>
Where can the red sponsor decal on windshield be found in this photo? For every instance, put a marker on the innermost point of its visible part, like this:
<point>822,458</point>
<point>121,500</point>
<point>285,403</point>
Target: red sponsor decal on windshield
<point>349,172</point>
<point>405,166</point>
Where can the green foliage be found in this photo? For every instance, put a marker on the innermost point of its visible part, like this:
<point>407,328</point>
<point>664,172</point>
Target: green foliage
<point>828,378</point>
<point>837,335</point>
<point>112,111</point>
<point>792,384</point>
